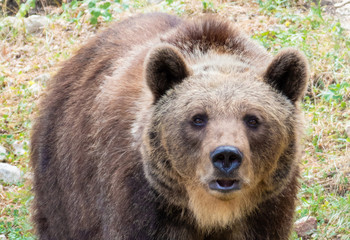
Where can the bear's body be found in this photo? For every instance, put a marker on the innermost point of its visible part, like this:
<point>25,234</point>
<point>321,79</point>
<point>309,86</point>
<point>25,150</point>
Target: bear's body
<point>161,128</point>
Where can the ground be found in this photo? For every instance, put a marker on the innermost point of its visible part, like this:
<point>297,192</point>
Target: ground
<point>321,31</point>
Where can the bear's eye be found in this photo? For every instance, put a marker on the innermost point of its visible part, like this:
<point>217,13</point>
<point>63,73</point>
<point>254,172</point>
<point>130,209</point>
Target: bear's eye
<point>251,121</point>
<point>199,120</point>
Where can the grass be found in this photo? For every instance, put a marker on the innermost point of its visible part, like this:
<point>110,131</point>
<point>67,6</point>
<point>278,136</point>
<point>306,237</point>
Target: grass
<point>26,61</point>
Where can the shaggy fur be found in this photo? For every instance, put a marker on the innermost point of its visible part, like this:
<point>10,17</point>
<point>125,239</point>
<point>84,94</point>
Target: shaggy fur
<point>121,147</point>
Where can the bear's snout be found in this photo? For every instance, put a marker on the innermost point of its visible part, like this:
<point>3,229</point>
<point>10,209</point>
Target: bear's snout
<point>226,159</point>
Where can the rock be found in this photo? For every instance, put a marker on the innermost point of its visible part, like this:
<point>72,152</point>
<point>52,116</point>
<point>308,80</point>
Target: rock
<point>3,237</point>
<point>342,4</point>
<point>347,130</point>
<point>9,174</point>
<point>342,11</point>
<point>35,23</point>
<point>7,24</point>
<point>9,21</point>
<point>305,226</point>
<point>154,1</point>
<point>3,152</point>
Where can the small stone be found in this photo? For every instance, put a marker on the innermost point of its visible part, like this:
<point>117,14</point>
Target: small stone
<point>9,174</point>
<point>305,226</point>
<point>9,21</point>
<point>35,23</point>
<point>154,1</point>
<point>341,4</point>
<point>3,237</point>
<point>347,129</point>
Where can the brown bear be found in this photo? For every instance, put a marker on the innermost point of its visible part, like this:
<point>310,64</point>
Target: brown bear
<point>162,128</point>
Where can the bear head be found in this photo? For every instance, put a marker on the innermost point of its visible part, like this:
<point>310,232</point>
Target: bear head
<point>221,137</point>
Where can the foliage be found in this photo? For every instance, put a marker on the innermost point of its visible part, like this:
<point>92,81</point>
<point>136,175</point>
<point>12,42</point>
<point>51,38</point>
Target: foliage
<point>14,222</point>
<point>208,6</point>
<point>25,7</point>
<point>97,10</point>
<point>325,189</point>
<point>269,6</point>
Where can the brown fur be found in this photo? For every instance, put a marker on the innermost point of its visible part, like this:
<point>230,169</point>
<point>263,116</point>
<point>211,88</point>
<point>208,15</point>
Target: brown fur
<point>115,153</point>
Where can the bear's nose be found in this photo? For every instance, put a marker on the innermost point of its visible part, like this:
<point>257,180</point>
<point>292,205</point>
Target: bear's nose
<point>226,158</point>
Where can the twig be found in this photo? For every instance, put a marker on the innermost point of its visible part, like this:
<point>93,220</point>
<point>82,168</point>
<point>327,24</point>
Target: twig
<point>339,5</point>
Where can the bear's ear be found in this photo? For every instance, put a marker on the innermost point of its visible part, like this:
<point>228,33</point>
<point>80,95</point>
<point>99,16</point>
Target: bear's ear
<point>288,73</point>
<point>165,67</point>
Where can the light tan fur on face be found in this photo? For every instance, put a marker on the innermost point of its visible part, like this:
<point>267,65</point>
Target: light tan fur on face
<point>212,209</point>
<point>212,212</point>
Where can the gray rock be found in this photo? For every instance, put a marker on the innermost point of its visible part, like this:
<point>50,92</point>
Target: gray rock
<point>3,237</point>
<point>9,174</point>
<point>35,23</point>
<point>347,129</point>
<point>9,21</point>
<point>305,226</point>
<point>154,1</point>
<point>343,13</point>
<point>341,4</point>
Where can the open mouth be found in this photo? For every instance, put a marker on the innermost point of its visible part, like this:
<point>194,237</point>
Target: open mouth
<point>225,185</point>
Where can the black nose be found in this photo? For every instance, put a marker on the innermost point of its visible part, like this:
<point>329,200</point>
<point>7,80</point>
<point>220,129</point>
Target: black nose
<point>226,158</point>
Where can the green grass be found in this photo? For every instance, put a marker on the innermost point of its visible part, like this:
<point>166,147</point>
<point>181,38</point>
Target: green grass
<point>15,224</point>
<point>325,185</point>
<point>324,192</point>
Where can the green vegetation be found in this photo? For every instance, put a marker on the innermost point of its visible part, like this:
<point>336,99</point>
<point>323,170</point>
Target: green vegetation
<point>15,223</point>
<point>74,10</point>
<point>325,185</point>
<point>26,60</point>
